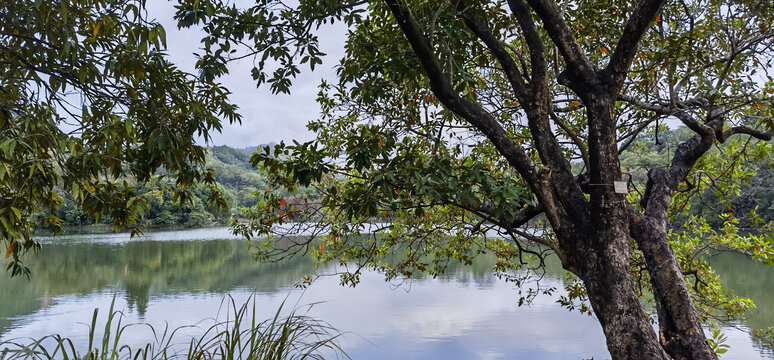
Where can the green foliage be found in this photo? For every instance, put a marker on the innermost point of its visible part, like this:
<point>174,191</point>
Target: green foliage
<point>765,335</point>
<point>715,210</point>
<point>236,182</point>
<point>717,341</point>
<point>91,107</point>
<point>697,242</point>
<point>733,179</point>
<point>406,187</point>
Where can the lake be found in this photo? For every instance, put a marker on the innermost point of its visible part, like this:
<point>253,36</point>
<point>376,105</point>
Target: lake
<point>182,277</point>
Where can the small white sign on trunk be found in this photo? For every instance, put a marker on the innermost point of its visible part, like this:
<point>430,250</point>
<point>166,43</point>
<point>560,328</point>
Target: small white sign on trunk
<point>620,187</point>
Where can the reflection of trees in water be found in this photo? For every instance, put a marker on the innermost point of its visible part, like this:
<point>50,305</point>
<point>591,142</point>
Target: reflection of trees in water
<point>750,279</point>
<point>148,268</point>
<point>137,295</point>
<point>144,269</point>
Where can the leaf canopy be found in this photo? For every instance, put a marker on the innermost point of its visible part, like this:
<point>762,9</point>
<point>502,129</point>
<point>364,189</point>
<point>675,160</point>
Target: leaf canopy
<point>89,107</point>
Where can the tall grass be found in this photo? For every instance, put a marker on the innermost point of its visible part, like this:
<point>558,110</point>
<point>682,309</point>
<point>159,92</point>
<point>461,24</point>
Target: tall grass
<point>292,336</point>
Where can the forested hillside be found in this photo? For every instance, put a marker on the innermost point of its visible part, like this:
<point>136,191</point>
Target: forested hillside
<point>716,192</point>
<point>240,182</point>
<point>237,178</point>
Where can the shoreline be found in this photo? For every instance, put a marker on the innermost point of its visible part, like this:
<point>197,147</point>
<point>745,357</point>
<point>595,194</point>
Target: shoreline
<point>96,229</point>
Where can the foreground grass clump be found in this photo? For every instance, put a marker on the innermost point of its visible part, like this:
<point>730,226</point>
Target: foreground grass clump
<point>292,336</point>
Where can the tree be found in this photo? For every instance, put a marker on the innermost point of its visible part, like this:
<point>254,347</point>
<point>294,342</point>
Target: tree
<point>453,117</point>
<point>90,106</point>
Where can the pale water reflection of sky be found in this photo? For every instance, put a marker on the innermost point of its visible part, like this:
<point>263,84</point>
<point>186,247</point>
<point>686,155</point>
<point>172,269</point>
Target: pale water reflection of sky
<point>461,316</point>
<point>434,320</point>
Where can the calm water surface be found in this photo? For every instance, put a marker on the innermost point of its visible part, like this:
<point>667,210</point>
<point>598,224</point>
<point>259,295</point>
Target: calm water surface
<point>182,278</point>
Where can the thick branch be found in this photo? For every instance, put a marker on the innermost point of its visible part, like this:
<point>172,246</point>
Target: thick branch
<point>693,124</point>
<point>680,330</point>
<point>536,47</point>
<point>535,102</point>
<point>579,66</point>
<point>471,112</point>
<point>766,136</point>
<point>625,49</point>
<point>511,225</point>
<point>663,182</point>
<point>526,214</point>
<point>652,106</point>
<point>664,106</point>
<point>520,218</point>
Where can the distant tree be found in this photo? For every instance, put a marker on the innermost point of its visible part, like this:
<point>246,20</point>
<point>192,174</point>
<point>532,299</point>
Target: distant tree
<point>455,117</point>
<point>233,170</point>
<point>90,104</point>
<point>231,156</point>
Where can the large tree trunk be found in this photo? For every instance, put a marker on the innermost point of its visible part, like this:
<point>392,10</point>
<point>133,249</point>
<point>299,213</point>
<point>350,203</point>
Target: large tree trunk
<point>593,236</point>
<point>607,272</point>
<point>612,295</point>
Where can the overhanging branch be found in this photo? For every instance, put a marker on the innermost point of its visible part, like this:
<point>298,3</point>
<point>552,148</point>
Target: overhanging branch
<point>471,112</point>
<point>494,45</point>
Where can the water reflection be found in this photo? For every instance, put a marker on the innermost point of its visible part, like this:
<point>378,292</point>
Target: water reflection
<point>467,314</point>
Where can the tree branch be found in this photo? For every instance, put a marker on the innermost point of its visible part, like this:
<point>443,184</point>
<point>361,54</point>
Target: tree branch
<point>573,136</point>
<point>535,100</point>
<point>663,182</point>
<point>526,214</point>
<point>692,123</point>
<point>539,73</point>
<point>579,66</point>
<point>766,136</point>
<point>471,112</point>
<point>626,48</point>
<point>521,217</point>
<point>633,134</point>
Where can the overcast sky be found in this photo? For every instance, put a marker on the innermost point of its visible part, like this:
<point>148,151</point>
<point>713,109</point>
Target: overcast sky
<point>266,117</point>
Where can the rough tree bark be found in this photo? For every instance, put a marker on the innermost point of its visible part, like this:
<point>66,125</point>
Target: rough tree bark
<point>593,235</point>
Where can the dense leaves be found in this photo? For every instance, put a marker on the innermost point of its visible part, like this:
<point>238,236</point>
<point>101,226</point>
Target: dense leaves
<point>453,124</point>
<point>90,105</point>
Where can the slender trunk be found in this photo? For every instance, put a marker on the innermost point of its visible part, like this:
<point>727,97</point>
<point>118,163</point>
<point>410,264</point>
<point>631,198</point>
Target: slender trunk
<point>680,330</point>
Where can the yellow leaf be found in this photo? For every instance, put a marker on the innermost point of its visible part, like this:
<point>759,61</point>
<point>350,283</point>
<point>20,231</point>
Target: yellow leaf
<point>603,50</point>
<point>96,28</point>
<point>10,249</point>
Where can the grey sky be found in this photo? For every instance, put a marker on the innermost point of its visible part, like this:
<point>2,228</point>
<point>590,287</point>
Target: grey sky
<point>266,117</point>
